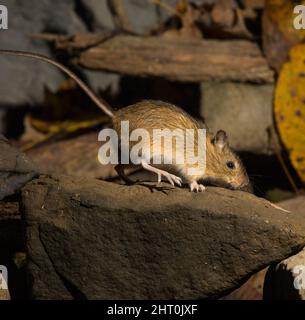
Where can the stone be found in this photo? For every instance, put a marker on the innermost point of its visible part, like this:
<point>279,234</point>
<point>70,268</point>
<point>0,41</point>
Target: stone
<point>243,110</point>
<point>91,239</point>
<point>286,280</point>
<point>75,156</point>
<point>251,290</point>
<point>138,16</point>
<point>16,169</point>
<point>22,80</point>
<point>99,14</point>
<point>103,83</point>
<point>143,17</point>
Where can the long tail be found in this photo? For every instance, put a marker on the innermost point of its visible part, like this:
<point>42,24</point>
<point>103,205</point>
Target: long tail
<point>103,105</point>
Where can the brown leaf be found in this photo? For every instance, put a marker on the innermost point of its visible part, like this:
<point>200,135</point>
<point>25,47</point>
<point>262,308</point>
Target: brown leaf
<point>279,34</point>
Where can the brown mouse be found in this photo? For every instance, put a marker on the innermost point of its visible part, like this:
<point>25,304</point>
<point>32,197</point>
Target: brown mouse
<point>222,167</point>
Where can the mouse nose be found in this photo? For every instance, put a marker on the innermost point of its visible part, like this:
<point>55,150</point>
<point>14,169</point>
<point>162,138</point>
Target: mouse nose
<point>247,187</point>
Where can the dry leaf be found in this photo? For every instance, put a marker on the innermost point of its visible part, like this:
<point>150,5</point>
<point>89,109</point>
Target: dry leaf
<point>279,34</point>
<point>290,108</point>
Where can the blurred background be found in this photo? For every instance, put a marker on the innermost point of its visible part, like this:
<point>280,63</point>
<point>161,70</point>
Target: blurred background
<point>236,64</point>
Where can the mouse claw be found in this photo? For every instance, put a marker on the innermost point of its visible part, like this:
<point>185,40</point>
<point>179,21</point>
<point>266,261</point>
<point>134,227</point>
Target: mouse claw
<point>172,179</point>
<point>176,180</point>
<point>159,178</point>
<point>195,187</point>
<point>201,188</point>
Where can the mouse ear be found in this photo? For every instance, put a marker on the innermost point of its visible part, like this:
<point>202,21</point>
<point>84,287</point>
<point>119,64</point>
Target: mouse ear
<point>221,139</point>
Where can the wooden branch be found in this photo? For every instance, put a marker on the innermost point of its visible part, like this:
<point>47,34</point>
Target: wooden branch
<point>79,41</point>
<point>179,59</point>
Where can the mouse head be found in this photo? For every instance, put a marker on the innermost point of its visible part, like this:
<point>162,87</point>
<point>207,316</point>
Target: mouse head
<point>224,168</point>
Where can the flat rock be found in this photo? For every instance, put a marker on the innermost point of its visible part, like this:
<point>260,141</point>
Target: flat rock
<point>90,239</point>
<point>16,169</point>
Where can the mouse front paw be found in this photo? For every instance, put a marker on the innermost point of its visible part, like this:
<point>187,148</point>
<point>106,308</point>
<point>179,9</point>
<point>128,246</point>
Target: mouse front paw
<point>195,187</point>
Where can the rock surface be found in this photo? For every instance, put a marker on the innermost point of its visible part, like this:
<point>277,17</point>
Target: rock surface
<point>236,108</point>
<point>77,156</point>
<point>286,280</point>
<point>15,169</point>
<point>89,239</point>
<point>22,80</point>
<point>251,290</point>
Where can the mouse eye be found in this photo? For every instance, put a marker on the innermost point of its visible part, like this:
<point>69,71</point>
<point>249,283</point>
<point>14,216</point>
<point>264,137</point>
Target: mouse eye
<point>231,165</point>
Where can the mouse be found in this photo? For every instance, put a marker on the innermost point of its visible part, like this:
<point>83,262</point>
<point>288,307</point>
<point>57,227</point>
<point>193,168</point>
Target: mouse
<point>222,165</point>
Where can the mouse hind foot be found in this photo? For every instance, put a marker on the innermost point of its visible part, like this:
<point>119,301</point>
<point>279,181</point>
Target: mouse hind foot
<point>172,179</point>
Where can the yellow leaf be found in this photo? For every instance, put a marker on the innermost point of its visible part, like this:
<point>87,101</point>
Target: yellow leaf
<point>290,107</point>
<point>68,126</point>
